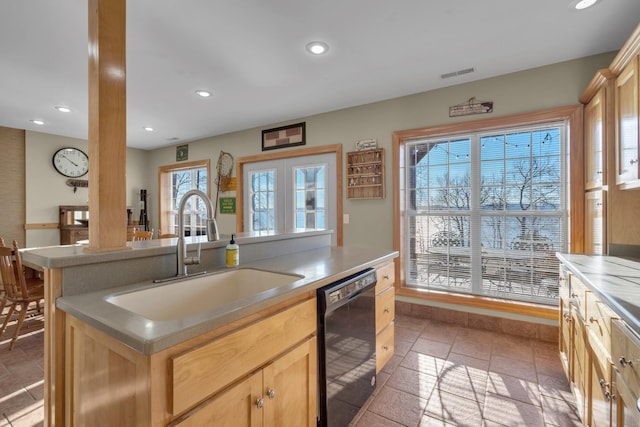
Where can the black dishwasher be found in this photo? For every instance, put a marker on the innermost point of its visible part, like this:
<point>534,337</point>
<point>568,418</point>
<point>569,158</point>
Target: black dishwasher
<point>346,347</point>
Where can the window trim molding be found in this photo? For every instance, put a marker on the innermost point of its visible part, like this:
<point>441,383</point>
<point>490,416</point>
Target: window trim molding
<point>164,172</point>
<point>572,115</point>
<point>325,149</point>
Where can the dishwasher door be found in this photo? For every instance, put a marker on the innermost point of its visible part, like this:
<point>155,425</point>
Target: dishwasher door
<point>346,348</point>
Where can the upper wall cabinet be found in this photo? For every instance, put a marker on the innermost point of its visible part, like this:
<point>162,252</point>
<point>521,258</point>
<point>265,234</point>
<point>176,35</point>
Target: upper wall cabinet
<point>626,118</point>
<point>594,148</point>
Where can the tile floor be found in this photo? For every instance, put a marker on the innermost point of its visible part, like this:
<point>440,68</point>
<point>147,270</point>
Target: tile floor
<point>441,375</point>
<point>22,376</point>
<point>448,375</point>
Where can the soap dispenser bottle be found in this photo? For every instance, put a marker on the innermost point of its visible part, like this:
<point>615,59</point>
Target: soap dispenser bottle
<point>233,253</point>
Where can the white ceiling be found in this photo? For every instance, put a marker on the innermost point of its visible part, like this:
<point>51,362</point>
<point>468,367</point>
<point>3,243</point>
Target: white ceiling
<point>251,54</point>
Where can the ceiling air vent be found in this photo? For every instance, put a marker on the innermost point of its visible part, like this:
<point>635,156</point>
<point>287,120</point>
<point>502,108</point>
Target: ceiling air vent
<point>457,73</point>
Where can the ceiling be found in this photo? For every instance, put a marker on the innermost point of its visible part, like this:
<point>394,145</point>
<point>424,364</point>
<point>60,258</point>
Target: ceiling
<point>251,55</point>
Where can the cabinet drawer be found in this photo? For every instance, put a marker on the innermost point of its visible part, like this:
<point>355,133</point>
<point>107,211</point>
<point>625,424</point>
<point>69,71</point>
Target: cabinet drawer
<point>199,373</point>
<point>385,308</point>
<point>384,346</point>
<point>385,276</point>
<point>578,295</point>
<point>599,322</point>
<point>625,352</point>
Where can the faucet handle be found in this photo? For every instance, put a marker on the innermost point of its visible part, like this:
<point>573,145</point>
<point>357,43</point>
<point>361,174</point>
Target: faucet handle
<point>193,260</point>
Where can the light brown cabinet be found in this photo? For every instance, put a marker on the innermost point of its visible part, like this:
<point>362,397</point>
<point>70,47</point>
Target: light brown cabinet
<point>365,174</point>
<point>626,120</point>
<point>626,357</point>
<point>594,140</point>
<point>385,314</point>
<point>260,371</point>
<point>595,234</point>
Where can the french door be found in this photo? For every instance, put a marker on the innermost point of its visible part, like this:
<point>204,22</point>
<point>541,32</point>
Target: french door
<point>291,193</point>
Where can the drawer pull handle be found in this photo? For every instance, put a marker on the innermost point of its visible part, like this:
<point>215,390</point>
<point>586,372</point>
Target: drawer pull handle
<point>567,317</point>
<point>574,295</point>
<point>624,362</point>
<point>608,396</point>
<point>592,319</point>
<point>260,403</point>
<point>385,348</point>
<point>271,393</point>
<point>633,161</point>
<point>386,310</point>
<point>602,383</point>
<point>385,277</point>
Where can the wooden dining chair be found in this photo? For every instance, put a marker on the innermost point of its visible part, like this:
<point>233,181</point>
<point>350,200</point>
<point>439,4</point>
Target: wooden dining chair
<point>17,293</point>
<point>142,235</point>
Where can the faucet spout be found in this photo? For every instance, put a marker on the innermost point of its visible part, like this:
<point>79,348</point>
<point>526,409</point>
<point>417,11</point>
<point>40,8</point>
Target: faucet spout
<point>212,231</point>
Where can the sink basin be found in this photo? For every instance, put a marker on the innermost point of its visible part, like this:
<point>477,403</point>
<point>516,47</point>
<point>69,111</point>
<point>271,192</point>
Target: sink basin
<point>190,296</point>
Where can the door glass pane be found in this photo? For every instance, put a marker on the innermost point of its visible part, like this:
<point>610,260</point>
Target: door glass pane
<point>262,196</point>
<point>310,203</point>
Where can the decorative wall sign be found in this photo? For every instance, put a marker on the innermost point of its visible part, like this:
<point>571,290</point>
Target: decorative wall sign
<point>182,153</point>
<point>227,205</point>
<point>471,107</point>
<point>228,184</point>
<point>366,144</point>
<point>285,136</point>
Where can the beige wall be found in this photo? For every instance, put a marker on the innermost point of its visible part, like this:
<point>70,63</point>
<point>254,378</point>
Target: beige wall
<point>370,220</point>
<point>47,189</point>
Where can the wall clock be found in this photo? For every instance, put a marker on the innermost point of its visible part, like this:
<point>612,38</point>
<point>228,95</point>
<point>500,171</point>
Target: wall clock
<point>71,162</point>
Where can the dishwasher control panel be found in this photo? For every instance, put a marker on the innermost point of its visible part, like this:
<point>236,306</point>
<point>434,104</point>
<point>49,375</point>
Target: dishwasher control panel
<point>350,286</point>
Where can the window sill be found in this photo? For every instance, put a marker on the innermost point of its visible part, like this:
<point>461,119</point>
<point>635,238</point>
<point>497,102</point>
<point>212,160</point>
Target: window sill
<point>483,303</point>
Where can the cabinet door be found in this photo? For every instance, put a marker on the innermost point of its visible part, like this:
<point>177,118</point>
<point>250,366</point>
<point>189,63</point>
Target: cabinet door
<point>290,388</point>
<point>594,222</point>
<point>594,141</point>
<point>578,362</point>
<point>626,102</point>
<point>237,406</point>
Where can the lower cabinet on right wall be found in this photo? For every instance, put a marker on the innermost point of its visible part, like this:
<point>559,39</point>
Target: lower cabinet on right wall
<point>626,355</point>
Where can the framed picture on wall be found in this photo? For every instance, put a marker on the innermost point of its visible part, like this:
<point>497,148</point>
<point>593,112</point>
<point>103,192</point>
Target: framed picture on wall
<point>285,136</point>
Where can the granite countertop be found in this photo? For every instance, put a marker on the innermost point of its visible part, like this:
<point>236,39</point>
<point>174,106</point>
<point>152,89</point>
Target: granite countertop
<point>616,281</point>
<point>319,267</point>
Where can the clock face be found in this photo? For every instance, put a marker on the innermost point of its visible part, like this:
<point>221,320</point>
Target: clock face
<point>71,162</point>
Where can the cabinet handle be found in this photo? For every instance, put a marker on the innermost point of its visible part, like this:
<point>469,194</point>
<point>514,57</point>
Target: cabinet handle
<point>633,162</point>
<point>602,383</point>
<point>593,319</point>
<point>574,295</point>
<point>638,404</point>
<point>271,393</point>
<point>260,403</point>
<point>608,396</point>
<point>624,362</point>
<point>567,317</point>
<point>385,348</point>
<point>599,172</point>
<point>386,277</point>
<point>386,310</point>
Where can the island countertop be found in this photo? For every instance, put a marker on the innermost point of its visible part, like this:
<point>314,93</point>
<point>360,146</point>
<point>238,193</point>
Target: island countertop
<point>616,281</point>
<point>319,267</point>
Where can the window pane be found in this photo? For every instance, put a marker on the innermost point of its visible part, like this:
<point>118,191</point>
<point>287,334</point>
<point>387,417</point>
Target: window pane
<point>493,233</point>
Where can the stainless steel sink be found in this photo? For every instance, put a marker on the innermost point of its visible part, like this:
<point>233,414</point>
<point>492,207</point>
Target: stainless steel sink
<point>183,298</point>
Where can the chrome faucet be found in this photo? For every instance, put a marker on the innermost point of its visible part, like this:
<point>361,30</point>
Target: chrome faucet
<point>212,231</point>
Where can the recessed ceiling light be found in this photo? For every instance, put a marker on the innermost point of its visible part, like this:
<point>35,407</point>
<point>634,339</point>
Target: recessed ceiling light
<point>148,128</point>
<point>583,4</point>
<point>317,48</point>
<point>203,93</point>
<point>62,109</point>
<point>37,122</point>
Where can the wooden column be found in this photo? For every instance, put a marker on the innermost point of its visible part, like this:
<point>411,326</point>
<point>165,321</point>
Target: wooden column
<point>107,126</point>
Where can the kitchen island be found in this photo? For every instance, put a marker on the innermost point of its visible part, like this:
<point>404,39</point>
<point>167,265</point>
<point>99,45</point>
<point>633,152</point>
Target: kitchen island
<point>111,366</point>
